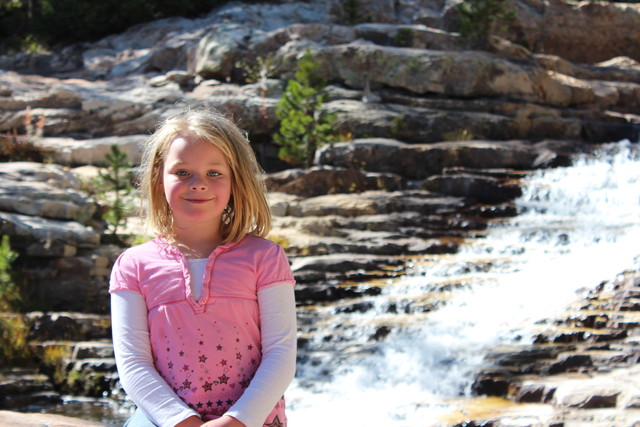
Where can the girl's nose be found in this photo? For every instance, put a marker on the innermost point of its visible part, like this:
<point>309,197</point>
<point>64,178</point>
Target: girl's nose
<point>197,183</point>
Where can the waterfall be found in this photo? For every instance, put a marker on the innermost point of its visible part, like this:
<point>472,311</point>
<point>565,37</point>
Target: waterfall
<point>578,226</point>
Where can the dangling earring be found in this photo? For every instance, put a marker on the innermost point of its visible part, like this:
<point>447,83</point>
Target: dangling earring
<point>227,215</point>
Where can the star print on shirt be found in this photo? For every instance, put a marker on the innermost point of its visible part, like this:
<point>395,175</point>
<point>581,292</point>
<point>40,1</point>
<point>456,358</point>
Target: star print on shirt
<point>275,423</point>
<point>219,347</point>
<point>203,359</point>
<point>223,379</point>
<point>186,384</point>
<point>239,356</point>
<point>207,386</point>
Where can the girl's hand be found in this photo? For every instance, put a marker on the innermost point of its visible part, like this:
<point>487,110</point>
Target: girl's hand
<point>224,421</point>
<point>190,422</point>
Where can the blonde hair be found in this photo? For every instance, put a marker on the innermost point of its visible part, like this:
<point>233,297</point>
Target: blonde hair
<point>248,210</point>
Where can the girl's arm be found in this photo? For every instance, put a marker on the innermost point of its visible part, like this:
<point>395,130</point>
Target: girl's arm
<point>278,366</point>
<point>136,369</point>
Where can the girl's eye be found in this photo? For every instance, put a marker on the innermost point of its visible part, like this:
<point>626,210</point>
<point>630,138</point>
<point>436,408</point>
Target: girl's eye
<point>182,173</point>
<point>213,173</point>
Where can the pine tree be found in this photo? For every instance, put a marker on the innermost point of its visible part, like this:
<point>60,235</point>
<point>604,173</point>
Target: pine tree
<point>115,179</point>
<point>304,123</point>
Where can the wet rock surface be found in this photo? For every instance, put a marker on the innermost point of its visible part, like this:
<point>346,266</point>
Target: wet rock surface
<point>584,368</point>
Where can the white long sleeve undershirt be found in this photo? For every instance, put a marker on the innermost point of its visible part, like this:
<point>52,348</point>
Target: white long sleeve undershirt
<point>158,401</point>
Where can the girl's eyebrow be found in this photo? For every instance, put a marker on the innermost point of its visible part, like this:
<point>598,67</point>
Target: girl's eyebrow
<point>212,163</point>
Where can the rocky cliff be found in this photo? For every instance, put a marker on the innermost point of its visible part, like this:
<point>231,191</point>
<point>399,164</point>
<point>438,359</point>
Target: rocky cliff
<point>436,135</point>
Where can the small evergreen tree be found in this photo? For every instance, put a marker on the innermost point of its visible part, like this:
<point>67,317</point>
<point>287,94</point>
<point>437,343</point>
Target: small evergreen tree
<point>304,123</point>
<point>478,17</point>
<point>115,181</point>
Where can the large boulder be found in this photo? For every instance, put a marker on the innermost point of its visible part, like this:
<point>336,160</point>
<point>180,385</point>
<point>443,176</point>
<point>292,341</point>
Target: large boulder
<point>70,151</point>
<point>321,180</point>
<point>43,190</point>
<point>452,73</point>
<point>587,32</point>
<point>419,161</point>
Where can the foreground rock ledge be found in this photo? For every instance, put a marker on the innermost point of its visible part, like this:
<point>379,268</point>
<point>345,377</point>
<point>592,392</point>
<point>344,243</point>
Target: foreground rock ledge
<point>18,419</point>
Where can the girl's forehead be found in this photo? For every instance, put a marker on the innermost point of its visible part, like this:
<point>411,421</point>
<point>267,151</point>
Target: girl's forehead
<point>182,145</point>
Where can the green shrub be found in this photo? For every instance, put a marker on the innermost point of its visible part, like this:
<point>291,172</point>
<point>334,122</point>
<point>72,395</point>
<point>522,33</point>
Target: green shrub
<point>9,290</point>
<point>14,343</point>
<point>305,125</point>
<point>14,346</point>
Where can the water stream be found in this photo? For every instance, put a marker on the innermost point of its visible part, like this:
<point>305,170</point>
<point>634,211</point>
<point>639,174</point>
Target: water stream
<point>404,358</point>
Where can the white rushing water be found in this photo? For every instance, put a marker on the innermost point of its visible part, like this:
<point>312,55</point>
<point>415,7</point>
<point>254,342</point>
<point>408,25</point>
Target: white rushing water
<point>578,226</point>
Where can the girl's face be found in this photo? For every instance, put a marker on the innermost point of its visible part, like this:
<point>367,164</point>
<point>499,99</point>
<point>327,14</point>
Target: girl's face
<point>197,183</point>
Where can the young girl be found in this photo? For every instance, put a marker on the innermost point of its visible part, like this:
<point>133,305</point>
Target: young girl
<point>203,315</point>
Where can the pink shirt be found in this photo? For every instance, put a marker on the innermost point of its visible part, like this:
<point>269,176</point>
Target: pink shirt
<point>206,350</point>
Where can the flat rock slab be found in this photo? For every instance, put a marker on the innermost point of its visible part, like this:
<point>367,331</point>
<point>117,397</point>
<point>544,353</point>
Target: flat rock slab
<point>18,419</point>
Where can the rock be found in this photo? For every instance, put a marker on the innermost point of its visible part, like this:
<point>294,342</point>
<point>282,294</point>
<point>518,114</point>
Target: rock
<point>483,188</point>
<point>530,393</point>
<point>93,350</point>
<point>491,385</point>
<point>68,326</point>
<point>413,36</point>
<point>592,399</point>
<point>557,27</point>
<point>331,291</point>
<point>579,376</point>
<point>569,362</point>
<point>74,106</point>
<point>451,73</point>
<point>20,388</point>
<point>16,419</point>
<point>47,237</point>
<point>215,55</point>
<point>329,180</point>
<point>41,190</point>
<point>419,161</point>
<point>72,152</point>
<point>21,381</point>
<point>342,267</point>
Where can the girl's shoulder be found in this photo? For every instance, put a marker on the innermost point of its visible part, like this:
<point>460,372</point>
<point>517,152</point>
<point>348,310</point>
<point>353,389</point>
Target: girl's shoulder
<point>142,250</point>
<point>251,241</point>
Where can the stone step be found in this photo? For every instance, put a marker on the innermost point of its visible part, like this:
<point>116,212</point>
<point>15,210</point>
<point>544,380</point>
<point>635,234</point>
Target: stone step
<point>72,350</point>
<point>70,326</point>
<point>93,350</point>
<point>20,388</point>
<point>95,365</point>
